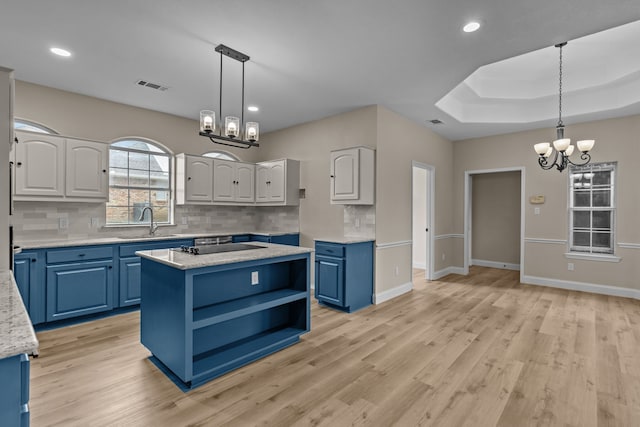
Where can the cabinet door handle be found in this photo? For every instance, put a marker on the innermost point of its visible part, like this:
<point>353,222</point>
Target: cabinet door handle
<point>332,176</point>
<point>110,267</point>
<point>33,260</point>
<point>189,179</point>
<point>104,171</point>
<point>81,255</point>
<point>19,164</point>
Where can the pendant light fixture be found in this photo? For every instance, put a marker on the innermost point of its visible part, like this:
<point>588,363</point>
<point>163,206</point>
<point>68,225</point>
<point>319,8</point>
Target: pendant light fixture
<point>562,148</point>
<point>231,133</point>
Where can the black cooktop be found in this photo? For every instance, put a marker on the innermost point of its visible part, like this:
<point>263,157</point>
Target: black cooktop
<point>215,249</point>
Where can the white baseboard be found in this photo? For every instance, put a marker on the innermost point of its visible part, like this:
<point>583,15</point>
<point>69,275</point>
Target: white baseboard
<point>383,296</point>
<point>583,287</point>
<point>449,270</point>
<point>495,264</point>
<point>420,265</point>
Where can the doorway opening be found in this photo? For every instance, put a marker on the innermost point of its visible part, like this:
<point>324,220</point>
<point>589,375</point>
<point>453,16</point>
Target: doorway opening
<point>423,190</point>
<point>494,219</point>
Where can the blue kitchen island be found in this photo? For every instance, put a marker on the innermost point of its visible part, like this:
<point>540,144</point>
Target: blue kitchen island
<point>202,316</point>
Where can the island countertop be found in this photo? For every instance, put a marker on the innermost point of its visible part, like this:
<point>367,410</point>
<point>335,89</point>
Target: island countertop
<point>185,261</point>
<point>16,332</point>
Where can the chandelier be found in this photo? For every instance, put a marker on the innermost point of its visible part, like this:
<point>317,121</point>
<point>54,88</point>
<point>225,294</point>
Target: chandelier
<point>562,148</point>
<point>231,133</point>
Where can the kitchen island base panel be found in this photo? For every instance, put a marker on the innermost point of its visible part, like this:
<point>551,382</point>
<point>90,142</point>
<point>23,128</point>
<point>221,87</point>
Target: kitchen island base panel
<point>204,322</point>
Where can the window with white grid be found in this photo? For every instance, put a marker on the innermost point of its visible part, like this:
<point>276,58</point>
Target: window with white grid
<point>592,208</point>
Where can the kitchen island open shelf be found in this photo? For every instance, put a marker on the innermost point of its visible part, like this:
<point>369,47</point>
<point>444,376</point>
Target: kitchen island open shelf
<point>205,315</point>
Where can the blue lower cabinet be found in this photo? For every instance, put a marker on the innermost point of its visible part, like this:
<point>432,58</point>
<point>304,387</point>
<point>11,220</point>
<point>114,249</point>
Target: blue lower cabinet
<point>239,238</point>
<point>14,393</point>
<point>129,281</point>
<point>79,288</point>
<point>330,274</point>
<point>344,275</point>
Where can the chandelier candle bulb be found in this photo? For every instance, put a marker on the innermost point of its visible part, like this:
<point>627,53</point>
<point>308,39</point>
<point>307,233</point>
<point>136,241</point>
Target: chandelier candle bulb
<point>549,152</point>
<point>585,145</point>
<point>231,126</point>
<point>569,150</point>
<point>251,131</point>
<point>207,121</point>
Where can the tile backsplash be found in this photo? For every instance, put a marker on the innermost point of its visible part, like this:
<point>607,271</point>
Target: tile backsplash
<point>62,220</point>
<point>360,221</point>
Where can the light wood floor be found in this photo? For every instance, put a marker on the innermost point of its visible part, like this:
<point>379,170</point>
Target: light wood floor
<point>480,350</point>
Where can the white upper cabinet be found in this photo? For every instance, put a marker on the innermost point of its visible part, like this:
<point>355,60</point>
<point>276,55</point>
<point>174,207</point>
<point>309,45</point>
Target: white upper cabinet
<point>39,166</point>
<point>87,165</point>
<point>233,181</point>
<point>278,182</point>
<point>51,167</point>
<point>194,179</point>
<point>353,176</point>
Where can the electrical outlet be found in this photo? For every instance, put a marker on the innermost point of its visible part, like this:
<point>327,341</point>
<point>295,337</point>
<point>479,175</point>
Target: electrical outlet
<point>443,256</point>
<point>357,222</point>
<point>396,271</point>
<point>63,223</point>
<point>184,220</point>
<point>254,278</point>
<point>94,222</point>
<point>570,266</point>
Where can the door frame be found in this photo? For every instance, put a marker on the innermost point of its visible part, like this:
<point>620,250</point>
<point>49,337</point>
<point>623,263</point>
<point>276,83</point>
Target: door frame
<point>431,191</point>
<point>467,212</point>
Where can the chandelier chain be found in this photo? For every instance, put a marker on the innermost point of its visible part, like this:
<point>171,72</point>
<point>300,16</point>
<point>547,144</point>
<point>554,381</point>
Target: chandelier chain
<point>560,92</point>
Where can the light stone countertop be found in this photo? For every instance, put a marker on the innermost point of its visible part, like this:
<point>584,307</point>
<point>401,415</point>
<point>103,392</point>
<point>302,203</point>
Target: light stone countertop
<point>345,240</point>
<point>16,331</point>
<point>185,261</point>
<point>60,243</point>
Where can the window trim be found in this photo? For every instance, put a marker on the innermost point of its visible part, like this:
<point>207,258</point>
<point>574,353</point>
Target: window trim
<point>164,151</point>
<point>591,255</point>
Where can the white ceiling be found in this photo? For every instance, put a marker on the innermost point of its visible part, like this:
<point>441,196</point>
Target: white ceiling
<point>308,59</point>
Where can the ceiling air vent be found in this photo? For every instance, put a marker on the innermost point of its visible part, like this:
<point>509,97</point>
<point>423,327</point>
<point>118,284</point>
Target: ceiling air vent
<point>435,122</point>
<point>152,85</point>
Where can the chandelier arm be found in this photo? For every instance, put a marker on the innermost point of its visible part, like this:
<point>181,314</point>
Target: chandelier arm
<point>584,156</point>
<point>544,164</point>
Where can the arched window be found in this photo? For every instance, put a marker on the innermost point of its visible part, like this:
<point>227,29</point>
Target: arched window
<point>139,176</point>
<point>21,124</point>
<point>221,155</point>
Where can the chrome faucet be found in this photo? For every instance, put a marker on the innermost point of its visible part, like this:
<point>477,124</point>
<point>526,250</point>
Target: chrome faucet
<point>152,227</point>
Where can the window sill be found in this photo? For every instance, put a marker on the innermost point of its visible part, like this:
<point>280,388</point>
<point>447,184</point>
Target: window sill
<point>593,257</point>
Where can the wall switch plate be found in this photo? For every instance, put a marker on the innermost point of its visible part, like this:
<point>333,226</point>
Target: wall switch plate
<point>536,211</point>
<point>94,222</point>
<point>570,266</point>
<point>396,270</point>
<point>254,278</point>
<point>443,256</point>
<point>184,220</point>
<point>357,222</point>
<point>63,223</point>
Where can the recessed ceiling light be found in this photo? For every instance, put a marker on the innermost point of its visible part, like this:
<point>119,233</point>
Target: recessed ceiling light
<point>252,108</point>
<point>60,52</point>
<point>471,27</point>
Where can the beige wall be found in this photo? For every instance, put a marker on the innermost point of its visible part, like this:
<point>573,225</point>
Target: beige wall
<point>311,144</point>
<point>401,141</point>
<point>496,217</point>
<point>6,125</point>
<point>616,140</point>
<point>82,116</point>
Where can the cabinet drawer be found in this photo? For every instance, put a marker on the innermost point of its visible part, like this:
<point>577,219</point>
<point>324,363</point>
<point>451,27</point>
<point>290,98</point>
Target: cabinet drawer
<point>79,254</point>
<point>330,249</point>
<point>130,250</point>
